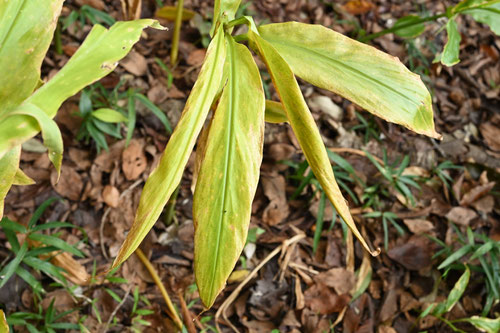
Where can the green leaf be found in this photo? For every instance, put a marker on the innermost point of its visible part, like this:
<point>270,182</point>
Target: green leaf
<point>22,179</point>
<point>489,15</point>
<point>8,224</point>
<point>30,279</point>
<point>164,179</point>
<point>109,115</point>
<point>452,47</point>
<point>414,29</point>
<point>484,324</point>
<point>52,138</point>
<point>9,164</point>
<point>455,256</point>
<point>374,80</point>
<point>275,113</point>
<point>170,12</point>
<point>26,31</point>
<point>223,7</point>
<point>304,127</point>
<point>56,242</point>
<point>11,267</point>
<point>97,57</point>
<point>229,174</point>
<point>455,294</point>
<point>156,111</point>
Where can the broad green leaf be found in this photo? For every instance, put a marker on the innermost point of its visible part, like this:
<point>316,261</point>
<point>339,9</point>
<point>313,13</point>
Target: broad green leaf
<point>22,179</point>
<point>412,29</point>
<point>9,164</point>
<point>167,175</point>
<point>275,112</point>
<point>229,174</point>
<point>97,57</point>
<point>170,12</point>
<point>452,47</point>
<point>304,127</point>
<point>484,324</point>
<point>26,29</point>
<point>221,8</point>
<point>109,115</point>
<point>374,80</point>
<point>52,138</point>
<point>489,15</point>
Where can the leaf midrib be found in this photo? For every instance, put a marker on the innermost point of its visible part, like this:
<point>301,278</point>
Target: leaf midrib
<point>228,156</point>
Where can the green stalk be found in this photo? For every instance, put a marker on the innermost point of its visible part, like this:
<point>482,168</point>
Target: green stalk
<point>170,207</point>
<point>319,221</point>
<point>177,32</point>
<point>399,27</point>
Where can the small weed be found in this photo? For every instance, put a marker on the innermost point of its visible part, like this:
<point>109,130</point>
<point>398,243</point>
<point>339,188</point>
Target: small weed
<point>86,14</point>
<point>367,126</point>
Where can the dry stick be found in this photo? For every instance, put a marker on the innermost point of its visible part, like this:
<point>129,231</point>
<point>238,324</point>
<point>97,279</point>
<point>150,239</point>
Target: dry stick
<point>156,278</point>
<point>235,293</point>
<point>105,215</point>
<point>186,314</point>
<point>115,311</point>
<point>177,33</point>
<point>354,151</point>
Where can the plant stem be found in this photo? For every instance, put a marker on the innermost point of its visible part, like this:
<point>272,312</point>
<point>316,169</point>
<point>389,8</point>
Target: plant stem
<point>235,22</point>
<point>156,278</point>
<point>399,27</point>
<point>177,32</point>
<point>170,208</point>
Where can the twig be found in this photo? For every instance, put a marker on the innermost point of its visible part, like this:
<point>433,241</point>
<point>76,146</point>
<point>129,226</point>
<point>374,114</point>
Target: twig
<point>235,293</point>
<point>156,278</point>
<point>115,311</point>
<point>105,215</point>
<point>186,314</point>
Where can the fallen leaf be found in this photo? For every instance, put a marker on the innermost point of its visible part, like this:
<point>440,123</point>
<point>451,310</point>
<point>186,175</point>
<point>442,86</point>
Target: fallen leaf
<point>418,226</point>
<point>196,57</point>
<point>358,7</point>
<point>70,183</point>
<point>274,189</point>
<point>476,193</point>
<point>340,279</point>
<point>111,196</point>
<point>135,63</point>
<point>485,204</point>
<point>461,215</point>
<point>414,254</point>
<point>491,135</point>
<point>134,160</point>
<point>323,300</point>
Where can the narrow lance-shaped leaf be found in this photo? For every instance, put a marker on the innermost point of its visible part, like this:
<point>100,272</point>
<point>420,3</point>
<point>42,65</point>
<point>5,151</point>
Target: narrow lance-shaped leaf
<point>305,128</point>
<point>26,29</point>
<point>451,50</point>
<point>484,324</point>
<point>275,112</point>
<point>167,175</point>
<point>374,80</point>
<point>229,174</point>
<point>97,57</point>
<point>8,168</point>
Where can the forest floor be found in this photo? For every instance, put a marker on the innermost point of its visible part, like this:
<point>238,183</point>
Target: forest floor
<point>455,206</point>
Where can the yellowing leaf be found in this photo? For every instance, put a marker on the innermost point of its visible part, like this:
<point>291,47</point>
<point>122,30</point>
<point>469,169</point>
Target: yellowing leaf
<point>170,12</point>
<point>304,127</point>
<point>26,29</point>
<point>167,175</point>
<point>374,80</point>
<point>97,57</point>
<point>4,328</point>
<point>9,164</point>
<point>229,174</point>
<point>275,112</point>
<point>22,179</point>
